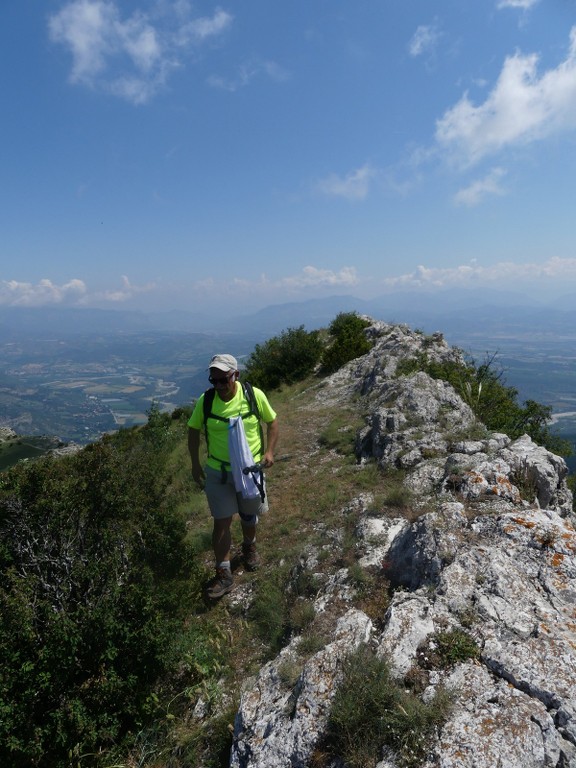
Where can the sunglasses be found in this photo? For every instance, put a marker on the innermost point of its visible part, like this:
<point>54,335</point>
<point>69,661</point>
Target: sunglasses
<point>220,382</point>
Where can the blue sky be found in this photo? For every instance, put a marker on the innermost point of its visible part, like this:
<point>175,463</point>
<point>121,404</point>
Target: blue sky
<point>166,154</point>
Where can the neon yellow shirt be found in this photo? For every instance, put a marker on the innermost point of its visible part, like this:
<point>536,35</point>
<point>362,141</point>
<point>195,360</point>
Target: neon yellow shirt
<point>218,430</point>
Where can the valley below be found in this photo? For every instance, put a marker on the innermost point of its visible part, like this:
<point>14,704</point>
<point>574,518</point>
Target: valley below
<point>75,388</point>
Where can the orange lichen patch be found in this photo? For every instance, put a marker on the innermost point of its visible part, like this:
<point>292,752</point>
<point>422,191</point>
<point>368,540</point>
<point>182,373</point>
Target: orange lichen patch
<point>487,726</point>
<point>571,626</point>
<point>544,628</point>
<point>526,523</point>
<point>557,559</point>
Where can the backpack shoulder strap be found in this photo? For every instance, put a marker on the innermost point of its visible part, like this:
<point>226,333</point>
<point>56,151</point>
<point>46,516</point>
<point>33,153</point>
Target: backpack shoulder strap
<point>254,410</point>
<point>207,410</point>
<point>251,398</point>
<point>207,404</point>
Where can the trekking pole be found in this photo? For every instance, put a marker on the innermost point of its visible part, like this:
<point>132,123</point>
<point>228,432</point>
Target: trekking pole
<point>254,468</point>
<point>260,467</point>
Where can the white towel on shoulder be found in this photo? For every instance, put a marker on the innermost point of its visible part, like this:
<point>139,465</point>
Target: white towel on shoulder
<point>240,457</point>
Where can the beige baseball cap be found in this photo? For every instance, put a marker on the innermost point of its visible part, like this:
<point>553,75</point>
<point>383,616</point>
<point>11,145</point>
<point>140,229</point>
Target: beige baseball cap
<point>225,363</point>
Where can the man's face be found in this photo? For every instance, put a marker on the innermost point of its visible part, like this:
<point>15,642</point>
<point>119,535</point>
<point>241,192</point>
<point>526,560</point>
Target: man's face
<point>224,382</point>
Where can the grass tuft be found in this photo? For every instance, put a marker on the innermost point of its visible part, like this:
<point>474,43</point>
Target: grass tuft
<point>371,710</point>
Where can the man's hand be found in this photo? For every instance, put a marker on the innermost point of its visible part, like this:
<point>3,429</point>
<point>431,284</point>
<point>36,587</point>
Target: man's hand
<point>199,476</point>
<point>194,450</point>
<point>267,460</point>
<point>271,440</point>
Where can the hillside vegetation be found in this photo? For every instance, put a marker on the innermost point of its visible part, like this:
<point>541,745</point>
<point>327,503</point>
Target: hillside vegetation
<point>111,656</point>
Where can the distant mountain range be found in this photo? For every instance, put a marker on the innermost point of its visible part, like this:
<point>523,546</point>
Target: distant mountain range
<point>450,312</point>
<point>42,347</point>
<point>462,312</point>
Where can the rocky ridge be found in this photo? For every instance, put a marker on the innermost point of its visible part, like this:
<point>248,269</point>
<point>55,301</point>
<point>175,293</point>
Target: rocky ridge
<point>492,553</point>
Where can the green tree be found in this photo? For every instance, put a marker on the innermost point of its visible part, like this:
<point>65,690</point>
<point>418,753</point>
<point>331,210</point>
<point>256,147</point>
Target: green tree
<point>348,341</point>
<point>284,359</point>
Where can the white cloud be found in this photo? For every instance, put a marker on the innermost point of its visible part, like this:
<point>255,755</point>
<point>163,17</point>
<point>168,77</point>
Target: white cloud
<point>17,294</point>
<point>73,293</point>
<point>354,186</point>
<point>523,4</point>
<point>424,40</point>
<point>244,293</point>
<point>208,27</point>
<point>84,26</point>
<point>314,277</point>
<point>118,295</point>
<point>77,293</point>
<point>309,277</point>
<point>523,107</point>
<point>309,281</point>
<point>247,72</point>
<point>129,57</point>
<point>474,274</point>
<point>475,193</point>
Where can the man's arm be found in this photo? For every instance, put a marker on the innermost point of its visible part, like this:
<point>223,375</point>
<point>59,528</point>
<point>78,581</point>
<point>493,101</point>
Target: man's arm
<point>271,440</point>
<point>194,451</point>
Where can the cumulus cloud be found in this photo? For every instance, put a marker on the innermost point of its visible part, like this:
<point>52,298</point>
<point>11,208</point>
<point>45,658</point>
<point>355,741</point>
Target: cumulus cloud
<point>314,277</point>
<point>73,293</point>
<point>129,57</point>
<point>487,186</point>
<point>309,277</point>
<point>523,107</point>
<point>424,40</point>
<point>473,274</point>
<point>19,294</point>
<point>354,186</point>
<point>124,293</point>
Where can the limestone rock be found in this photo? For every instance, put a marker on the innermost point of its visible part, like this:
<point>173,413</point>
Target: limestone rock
<point>492,557</point>
<point>278,726</point>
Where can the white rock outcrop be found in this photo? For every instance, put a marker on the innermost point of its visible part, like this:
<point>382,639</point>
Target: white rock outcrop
<point>492,555</point>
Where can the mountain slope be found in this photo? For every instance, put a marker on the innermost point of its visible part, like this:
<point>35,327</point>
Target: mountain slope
<point>481,581</point>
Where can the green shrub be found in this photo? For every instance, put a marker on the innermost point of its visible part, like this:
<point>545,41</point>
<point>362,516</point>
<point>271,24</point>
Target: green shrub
<point>95,582</point>
<point>444,649</point>
<point>284,359</point>
<point>371,710</point>
<point>348,341</point>
<point>493,402</point>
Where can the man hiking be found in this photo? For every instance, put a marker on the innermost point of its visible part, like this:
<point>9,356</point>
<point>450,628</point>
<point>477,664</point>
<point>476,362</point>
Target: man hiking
<point>230,404</point>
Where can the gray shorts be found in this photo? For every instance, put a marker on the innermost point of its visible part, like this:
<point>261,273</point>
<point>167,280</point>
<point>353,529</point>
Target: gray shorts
<point>224,501</point>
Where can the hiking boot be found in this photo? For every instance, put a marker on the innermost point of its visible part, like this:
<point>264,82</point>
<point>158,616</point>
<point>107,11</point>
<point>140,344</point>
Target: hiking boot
<point>251,559</point>
<point>221,584</point>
